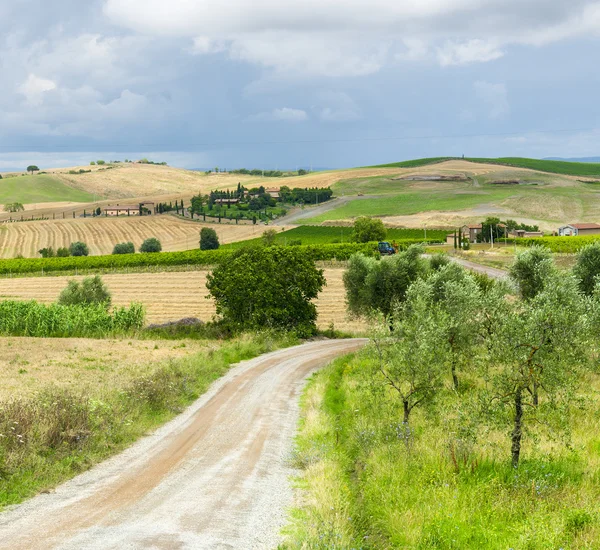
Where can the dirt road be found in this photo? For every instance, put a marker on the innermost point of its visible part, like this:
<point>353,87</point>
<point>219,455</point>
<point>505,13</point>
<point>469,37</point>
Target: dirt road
<point>215,477</point>
<point>492,272</point>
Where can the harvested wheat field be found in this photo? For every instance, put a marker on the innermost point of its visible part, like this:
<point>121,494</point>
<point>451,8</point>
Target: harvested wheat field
<point>101,234</point>
<point>173,295</point>
<point>28,365</point>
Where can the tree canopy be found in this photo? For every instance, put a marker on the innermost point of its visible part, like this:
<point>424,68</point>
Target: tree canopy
<point>368,229</point>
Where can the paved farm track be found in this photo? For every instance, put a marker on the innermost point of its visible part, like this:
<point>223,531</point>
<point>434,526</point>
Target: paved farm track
<point>214,478</point>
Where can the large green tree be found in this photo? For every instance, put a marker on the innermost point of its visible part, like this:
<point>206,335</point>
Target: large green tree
<point>587,267</point>
<point>258,288</point>
<point>531,271</point>
<point>209,240</point>
<point>32,168</point>
<point>368,229</point>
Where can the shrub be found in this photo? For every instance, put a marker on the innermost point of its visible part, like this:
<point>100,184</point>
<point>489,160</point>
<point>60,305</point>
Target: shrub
<point>209,240</point>
<point>267,287</point>
<point>531,270</point>
<point>90,291</point>
<point>63,252</point>
<point>587,267</point>
<point>269,237</point>
<point>47,252</point>
<point>79,249</point>
<point>151,245</point>
<point>124,248</point>
<point>368,229</point>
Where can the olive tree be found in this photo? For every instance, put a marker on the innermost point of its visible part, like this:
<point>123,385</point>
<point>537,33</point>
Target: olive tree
<point>78,249</point>
<point>587,267</point>
<point>531,270</point>
<point>209,240</point>
<point>376,287</point>
<point>151,245</point>
<point>413,361</point>
<point>267,287</point>
<point>91,290</point>
<point>535,358</point>
<point>124,248</point>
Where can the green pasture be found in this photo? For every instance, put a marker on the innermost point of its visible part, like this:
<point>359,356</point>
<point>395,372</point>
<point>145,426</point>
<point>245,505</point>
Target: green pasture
<point>39,188</point>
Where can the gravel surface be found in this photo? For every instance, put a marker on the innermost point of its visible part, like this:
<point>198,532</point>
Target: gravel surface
<point>492,272</point>
<point>216,477</point>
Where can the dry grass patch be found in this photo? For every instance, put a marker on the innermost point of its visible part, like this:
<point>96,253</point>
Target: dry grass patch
<point>28,365</point>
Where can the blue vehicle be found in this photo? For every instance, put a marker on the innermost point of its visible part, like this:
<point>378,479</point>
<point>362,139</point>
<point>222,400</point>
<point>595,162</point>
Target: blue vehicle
<point>385,248</point>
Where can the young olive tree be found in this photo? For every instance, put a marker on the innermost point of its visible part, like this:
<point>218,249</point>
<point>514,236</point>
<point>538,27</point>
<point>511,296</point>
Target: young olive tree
<point>91,290</point>
<point>377,287</point>
<point>535,358</point>
<point>587,267</point>
<point>209,240</point>
<point>456,293</point>
<point>368,229</point>
<point>413,362</point>
<point>531,270</point>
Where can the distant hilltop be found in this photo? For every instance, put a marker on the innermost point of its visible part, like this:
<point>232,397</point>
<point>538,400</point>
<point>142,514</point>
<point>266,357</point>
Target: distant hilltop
<point>575,159</point>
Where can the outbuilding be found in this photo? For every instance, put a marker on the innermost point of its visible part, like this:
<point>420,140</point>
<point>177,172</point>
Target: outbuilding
<point>577,229</point>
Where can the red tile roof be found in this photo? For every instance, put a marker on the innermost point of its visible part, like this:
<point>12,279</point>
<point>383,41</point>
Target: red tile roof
<point>585,225</point>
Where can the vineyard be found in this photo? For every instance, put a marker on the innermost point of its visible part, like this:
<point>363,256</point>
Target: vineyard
<point>101,234</point>
<point>172,296</point>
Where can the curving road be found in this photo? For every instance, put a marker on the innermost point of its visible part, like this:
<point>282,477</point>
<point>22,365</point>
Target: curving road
<point>215,477</point>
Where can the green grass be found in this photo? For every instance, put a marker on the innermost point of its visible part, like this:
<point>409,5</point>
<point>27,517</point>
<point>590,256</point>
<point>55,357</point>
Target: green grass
<point>316,235</point>
<point>366,487</point>
<point>586,169</point>
<point>37,452</point>
<point>39,188</point>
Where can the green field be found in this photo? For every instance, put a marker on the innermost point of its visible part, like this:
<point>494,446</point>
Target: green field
<point>316,235</point>
<point>39,188</point>
<point>553,166</point>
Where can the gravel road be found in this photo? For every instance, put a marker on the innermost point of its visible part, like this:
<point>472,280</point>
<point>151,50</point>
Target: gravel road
<point>215,477</point>
<point>492,272</point>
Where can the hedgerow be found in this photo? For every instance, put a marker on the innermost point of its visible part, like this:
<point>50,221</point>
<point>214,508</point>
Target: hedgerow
<point>566,245</point>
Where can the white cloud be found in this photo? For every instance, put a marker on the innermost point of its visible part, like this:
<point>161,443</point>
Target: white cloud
<point>494,97</point>
<point>34,88</point>
<point>338,38</point>
<point>286,114</point>
<point>471,51</point>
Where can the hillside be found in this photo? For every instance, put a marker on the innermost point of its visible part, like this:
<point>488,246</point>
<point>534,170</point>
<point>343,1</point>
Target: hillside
<point>40,188</point>
<point>587,169</point>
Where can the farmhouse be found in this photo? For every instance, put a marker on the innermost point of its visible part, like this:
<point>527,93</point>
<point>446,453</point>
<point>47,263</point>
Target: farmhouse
<point>227,201</point>
<point>273,191</point>
<point>472,231</point>
<point>125,210</point>
<point>575,229</point>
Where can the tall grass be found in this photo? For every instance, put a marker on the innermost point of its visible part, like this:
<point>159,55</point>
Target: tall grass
<point>56,434</point>
<point>56,320</point>
<point>370,485</point>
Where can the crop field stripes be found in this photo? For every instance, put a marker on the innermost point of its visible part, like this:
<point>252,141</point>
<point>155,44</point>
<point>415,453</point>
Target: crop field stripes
<point>169,296</point>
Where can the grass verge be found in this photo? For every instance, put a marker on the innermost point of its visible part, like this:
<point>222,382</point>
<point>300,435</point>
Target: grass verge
<point>58,433</point>
<point>368,484</point>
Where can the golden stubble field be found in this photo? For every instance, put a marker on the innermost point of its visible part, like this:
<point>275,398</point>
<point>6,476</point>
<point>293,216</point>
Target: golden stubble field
<point>170,296</point>
<point>30,364</point>
<point>101,234</point>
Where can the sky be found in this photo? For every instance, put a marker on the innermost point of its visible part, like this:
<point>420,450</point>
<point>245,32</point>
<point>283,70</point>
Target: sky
<point>296,83</point>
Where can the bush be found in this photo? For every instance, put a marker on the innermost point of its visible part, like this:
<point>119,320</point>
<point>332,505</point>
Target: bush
<point>79,249</point>
<point>47,252</point>
<point>63,252</point>
<point>587,267</point>
<point>269,237</point>
<point>209,240</point>
<point>151,245</point>
<point>368,229</point>
<point>531,270</point>
<point>267,287</point>
<point>90,291</point>
<point>124,248</point>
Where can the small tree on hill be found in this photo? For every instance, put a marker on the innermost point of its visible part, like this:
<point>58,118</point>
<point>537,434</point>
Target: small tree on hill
<point>124,248</point>
<point>63,252</point>
<point>258,288</point>
<point>90,291</point>
<point>209,240</point>
<point>47,252</point>
<point>32,168</point>
<point>151,245</point>
<point>368,229</point>
<point>14,207</point>
<point>79,249</point>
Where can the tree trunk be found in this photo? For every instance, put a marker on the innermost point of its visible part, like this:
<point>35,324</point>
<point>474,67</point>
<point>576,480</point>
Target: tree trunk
<point>454,375</point>
<point>517,429</point>
<point>535,393</point>
<point>406,412</point>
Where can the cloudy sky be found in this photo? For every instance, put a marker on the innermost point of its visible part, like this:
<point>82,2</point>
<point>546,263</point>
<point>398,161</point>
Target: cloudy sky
<point>286,83</point>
